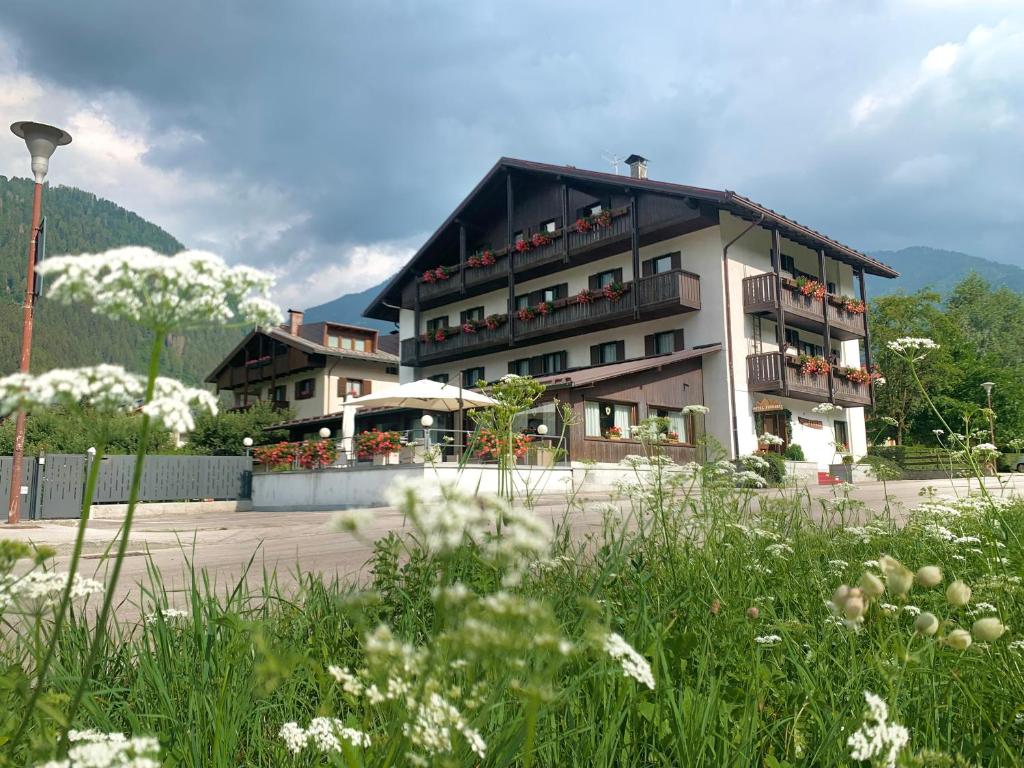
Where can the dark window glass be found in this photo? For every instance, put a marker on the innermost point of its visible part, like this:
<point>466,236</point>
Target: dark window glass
<point>842,436</point>
<point>305,389</point>
<point>441,378</point>
<point>476,313</point>
<point>471,376</point>
<point>520,367</point>
<point>664,342</point>
<point>437,323</point>
<point>608,352</point>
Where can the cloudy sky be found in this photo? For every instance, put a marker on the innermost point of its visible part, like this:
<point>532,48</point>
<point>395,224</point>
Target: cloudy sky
<point>325,140</point>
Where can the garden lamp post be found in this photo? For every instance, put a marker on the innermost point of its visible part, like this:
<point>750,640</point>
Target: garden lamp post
<point>247,443</point>
<point>325,432</point>
<point>426,421</point>
<point>987,386</point>
<point>42,141</point>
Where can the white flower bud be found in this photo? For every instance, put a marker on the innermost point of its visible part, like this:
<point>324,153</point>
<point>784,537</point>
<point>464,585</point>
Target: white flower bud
<point>898,578</point>
<point>926,624</point>
<point>839,596</point>
<point>958,594</point>
<point>988,629</point>
<point>853,608</point>
<point>959,639</point>
<point>871,584</point>
<point>929,576</point>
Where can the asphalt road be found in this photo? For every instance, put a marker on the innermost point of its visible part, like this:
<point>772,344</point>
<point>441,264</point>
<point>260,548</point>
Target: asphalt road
<point>290,543</point>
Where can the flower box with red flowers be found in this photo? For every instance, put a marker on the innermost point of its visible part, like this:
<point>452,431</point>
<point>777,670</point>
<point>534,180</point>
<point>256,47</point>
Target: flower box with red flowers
<point>614,291</point>
<point>540,239</point>
<point>469,327</point>
<point>491,322</point>
<point>811,365</point>
<point>317,454</point>
<point>376,443</point>
<point>481,259</point>
<point>860,375</point>
<point>527,313</point>
<point>437,274</point>
<point>278,456</point>
<point>489,446</point>
<point>584,297</point>
<point>613,433</point>
<point>811,288</point>
<point>851,305</point>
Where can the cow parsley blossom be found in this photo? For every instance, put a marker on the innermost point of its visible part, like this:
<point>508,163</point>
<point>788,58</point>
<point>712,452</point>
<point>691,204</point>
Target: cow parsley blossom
<point>909,346</point>
<point>877,737</point>
<point>106,388</point>
<point>92,749</point>
<point>325,734</point>
<point>41,588</point>
<point>163,293</point>
<point>633,664</point>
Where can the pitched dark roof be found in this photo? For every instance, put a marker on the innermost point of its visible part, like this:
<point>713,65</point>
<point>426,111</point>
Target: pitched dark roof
<point>306,345</point>
<point>585,376</point>
<point>736,204</point>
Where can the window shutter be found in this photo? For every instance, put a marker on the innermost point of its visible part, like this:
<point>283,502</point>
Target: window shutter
<point>562,290</point>
<point>595,354</point>
<point>679,340</point>
<point>592,282</point>
<point>536,366</point>
<point>367,386</point>
<point>618,275</point>
<point>649,344</point>
<point>563,360</point>
<point>677,260</point>
<point>620,349</point>
<point>647,268</point>
<point>512,366</point>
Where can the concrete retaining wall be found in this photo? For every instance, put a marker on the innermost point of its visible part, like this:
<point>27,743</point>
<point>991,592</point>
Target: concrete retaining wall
<point>371,486</point>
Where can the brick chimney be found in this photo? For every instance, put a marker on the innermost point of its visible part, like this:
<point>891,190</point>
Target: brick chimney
<point>637,166</point>
<point>294,321</point>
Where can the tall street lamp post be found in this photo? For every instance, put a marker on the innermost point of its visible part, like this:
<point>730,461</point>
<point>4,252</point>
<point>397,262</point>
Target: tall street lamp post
<point>987,386</point>
<point>42,141</point>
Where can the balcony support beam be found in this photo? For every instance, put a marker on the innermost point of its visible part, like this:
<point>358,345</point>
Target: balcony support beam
<point>867,331</point>
<point>510,210</point>
<point>824,313</point>
<point>417,319</point>
<point>780,311</point>
<point>565,221</point>
<point>462,258</point>
<point>635,247</point>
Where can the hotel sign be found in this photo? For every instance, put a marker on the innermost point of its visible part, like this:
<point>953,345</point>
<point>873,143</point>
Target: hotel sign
<point>767,405</point>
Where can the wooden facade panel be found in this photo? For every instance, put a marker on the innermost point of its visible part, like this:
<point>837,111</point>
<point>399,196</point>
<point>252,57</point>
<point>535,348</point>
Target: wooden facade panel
<point>674,387</point>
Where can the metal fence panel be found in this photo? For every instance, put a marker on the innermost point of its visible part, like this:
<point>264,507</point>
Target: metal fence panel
<point>57,486</point>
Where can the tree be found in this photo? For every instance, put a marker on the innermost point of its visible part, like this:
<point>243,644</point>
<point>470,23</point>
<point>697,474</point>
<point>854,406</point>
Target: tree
<point>222,435</point>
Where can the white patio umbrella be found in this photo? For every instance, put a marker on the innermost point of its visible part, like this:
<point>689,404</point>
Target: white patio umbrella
<point>425,394</point>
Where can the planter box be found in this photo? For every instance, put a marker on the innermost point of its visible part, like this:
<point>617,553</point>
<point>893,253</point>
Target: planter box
<point>842,471</point>
<point>382,459</point>
<point>544,456</point>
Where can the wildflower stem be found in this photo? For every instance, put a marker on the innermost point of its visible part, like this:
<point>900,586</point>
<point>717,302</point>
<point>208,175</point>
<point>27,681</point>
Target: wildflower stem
<point>65,600</point>
<point>133,498</point>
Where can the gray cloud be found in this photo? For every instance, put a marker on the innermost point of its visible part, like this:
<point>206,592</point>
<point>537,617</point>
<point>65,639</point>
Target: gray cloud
<point>351,126</point>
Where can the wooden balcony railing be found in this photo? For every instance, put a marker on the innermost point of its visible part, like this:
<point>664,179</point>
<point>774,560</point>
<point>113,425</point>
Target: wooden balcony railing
<point>764,374</point>
<point>850,322</point>
<point>621,224</point>
<point>761,293</point>
<point>540,254</point>
<point>419,352</point>
<point>850,393</point>
<point>658,295</point>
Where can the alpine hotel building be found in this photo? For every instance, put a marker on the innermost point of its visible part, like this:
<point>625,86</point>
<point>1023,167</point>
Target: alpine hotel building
<point>631,298</point>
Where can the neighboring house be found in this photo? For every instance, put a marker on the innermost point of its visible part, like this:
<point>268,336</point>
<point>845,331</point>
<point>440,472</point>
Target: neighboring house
<point>312,368</point>
<point>631,297</point>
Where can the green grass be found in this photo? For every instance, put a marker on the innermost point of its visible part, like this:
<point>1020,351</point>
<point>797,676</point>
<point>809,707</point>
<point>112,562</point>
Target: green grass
<point>677,578</point>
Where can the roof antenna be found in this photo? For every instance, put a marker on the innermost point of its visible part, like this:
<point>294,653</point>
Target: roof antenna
<point>613,160</point>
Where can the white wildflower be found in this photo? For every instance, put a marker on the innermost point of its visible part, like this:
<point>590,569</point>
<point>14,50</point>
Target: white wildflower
<point>43,588</point>
<point>163,293</point>
<point>877,737</point>
<point>92,749</point>
<point>769,439</point>
<point>325,734</point>
<point>980,608</point>
<point>353,520</point>
<point>909,346</point>
<point>826,408</point>
<point>698,409</point>
<point>768,640</point>
<point>633,664</point>
<point>168,614</point>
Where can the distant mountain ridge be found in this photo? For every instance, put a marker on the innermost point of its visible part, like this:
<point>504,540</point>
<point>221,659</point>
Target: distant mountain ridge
<point>348,308</point>
<point>923,267</point>
<point>68,336</point>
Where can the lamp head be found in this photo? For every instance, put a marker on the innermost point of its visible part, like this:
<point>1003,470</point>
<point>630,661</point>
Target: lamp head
<point>987,386</point>
<point>325,432</point>
<point>542,429</point>
<point>42,141</point>
<point>91,451</point>
<point>247,442</point>
<point>427,420</point>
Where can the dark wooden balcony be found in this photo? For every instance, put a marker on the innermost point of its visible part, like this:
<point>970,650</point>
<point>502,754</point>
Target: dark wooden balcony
<point>845,325</point>
<point>427,352</point>
<point>850,394</point>
<point>596,243</point>
<point>661,295</point>
<point>762,294</point>
<point>277,405</point>
<point>764,374</point>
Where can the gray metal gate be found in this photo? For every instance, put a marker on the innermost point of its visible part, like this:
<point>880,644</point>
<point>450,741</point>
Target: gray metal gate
<point>60,485</point>
<point>56,482</point>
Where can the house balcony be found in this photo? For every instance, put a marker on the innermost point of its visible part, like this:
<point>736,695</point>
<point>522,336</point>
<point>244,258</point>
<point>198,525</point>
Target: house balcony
<point>669,293</point>
<point>765,374</point>
<point>277,405</point>
<point>566,248</point>
<point>761,295</point>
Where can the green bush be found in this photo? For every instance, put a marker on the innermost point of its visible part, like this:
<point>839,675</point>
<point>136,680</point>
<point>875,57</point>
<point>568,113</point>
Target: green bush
<point>882,468</point>
<point>793,452</point>
<point>895,453</point>
<point>776,471</point>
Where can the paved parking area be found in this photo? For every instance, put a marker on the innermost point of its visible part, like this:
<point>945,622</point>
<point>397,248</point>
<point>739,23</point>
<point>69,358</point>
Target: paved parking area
<point>289,543</point>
